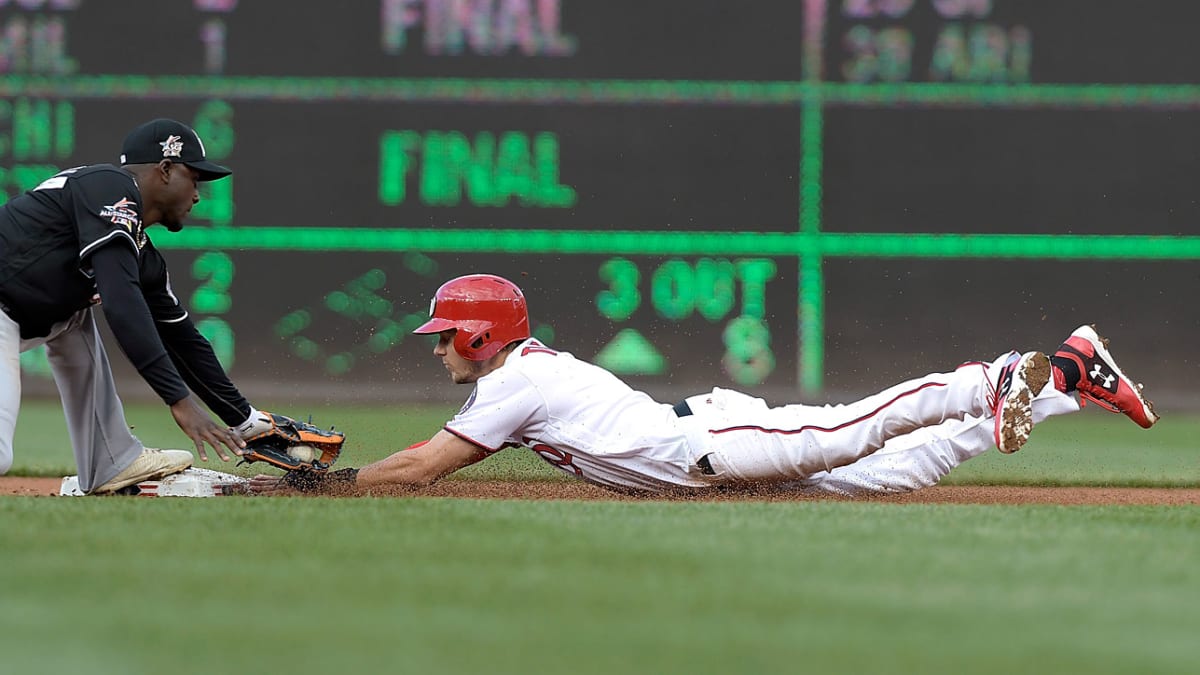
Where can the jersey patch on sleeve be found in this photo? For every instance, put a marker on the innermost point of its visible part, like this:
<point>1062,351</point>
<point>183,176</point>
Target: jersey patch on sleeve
<point>123,213</point>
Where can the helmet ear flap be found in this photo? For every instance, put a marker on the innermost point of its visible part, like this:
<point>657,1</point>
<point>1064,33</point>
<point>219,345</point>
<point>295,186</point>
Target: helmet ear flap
<point>472,338</point>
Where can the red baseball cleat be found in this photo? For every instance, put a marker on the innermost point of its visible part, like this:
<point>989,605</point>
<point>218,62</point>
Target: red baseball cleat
<point>1101,381</point>
<point>1022,378</point>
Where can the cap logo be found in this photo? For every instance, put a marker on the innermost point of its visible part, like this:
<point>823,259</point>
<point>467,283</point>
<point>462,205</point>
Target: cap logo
<point>172,147</point>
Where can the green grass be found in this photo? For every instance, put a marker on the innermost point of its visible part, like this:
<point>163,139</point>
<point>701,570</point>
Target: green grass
<point>438,585</point>
<point>1095,447</point>
<point>381,585</point>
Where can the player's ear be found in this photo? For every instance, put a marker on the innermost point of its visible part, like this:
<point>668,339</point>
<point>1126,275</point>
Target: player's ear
<point>164,170</point>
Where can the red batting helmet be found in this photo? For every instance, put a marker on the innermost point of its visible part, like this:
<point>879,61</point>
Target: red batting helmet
<point>488,312</point>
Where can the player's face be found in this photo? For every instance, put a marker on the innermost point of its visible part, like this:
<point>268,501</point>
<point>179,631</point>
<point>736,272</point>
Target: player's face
<point>462,370</point>
<point>180,194</point>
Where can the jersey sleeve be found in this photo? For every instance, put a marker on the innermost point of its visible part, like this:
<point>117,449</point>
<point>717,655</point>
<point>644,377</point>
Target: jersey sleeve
<point>156,287</point>
<point>499,411</point>
<point>190,351</point>
<point>107,208</point>
<point>131,322</point>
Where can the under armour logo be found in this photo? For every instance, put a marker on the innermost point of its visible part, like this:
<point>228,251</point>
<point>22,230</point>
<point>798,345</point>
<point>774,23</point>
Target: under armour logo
<point>1102,378</point>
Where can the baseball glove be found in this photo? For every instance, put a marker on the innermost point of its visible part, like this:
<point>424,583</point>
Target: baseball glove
<point>292,445</point>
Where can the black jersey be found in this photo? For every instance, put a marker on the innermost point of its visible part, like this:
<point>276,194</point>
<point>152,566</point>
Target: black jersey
<point>48,233</point>
<point>53,241</point>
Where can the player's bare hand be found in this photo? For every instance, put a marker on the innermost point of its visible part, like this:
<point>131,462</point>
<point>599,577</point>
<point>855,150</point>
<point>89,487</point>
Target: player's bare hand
<point>263,484</point>
<point>201,429</point>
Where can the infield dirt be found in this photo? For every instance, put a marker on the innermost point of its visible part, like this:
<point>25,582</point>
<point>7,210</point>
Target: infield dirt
<point>942,494</point>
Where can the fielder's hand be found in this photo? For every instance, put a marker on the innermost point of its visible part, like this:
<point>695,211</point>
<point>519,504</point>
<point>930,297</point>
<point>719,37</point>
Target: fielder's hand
<point>201,429</point>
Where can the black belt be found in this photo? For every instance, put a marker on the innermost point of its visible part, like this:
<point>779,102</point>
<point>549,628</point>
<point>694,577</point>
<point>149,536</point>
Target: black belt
<point>682,409</point>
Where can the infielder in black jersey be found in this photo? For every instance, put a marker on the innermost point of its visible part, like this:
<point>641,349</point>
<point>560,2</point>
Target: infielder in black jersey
<point>79,240</point>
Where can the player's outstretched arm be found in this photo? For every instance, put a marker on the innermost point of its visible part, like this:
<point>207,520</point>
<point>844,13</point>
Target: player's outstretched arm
<point>417,466</point>
<point>421,464</point>
<point>130,318</point>
<point>190,352</point>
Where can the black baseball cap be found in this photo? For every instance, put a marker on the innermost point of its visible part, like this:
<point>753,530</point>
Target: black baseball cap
<point>164,138</point>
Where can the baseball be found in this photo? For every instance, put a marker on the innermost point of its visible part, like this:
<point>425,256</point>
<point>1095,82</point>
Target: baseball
<point>304,453</point>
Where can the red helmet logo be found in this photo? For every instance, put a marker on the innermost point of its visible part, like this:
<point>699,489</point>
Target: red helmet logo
<point>488,312</point>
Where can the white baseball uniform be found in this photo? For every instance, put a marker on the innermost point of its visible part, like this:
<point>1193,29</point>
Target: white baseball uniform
<point>585,421</point>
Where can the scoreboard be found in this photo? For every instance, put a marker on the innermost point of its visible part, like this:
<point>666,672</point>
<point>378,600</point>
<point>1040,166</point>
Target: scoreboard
<point>796,198</point>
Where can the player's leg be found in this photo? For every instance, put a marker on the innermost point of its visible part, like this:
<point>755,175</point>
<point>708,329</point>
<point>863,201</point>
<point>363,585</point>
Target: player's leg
<point>922,458</point>
<point>1082,364</point>
<point>798,441</point>
<point>10,387</point>
<point>96,423</point>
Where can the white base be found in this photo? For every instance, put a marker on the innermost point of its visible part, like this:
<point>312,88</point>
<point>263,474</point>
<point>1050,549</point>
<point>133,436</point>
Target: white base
<point>194,482</point>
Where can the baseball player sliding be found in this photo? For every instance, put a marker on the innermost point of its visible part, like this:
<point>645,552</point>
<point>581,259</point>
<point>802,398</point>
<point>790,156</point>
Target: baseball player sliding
<point>586,422</point>
<point>80,238</point>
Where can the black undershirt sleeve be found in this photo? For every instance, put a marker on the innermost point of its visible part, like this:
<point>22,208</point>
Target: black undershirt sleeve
<point>191,353</point>
<point>116,274</point>
<point>193,356</point>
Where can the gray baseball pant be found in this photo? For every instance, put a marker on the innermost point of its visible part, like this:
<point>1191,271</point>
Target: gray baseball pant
<point>100,436</point>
